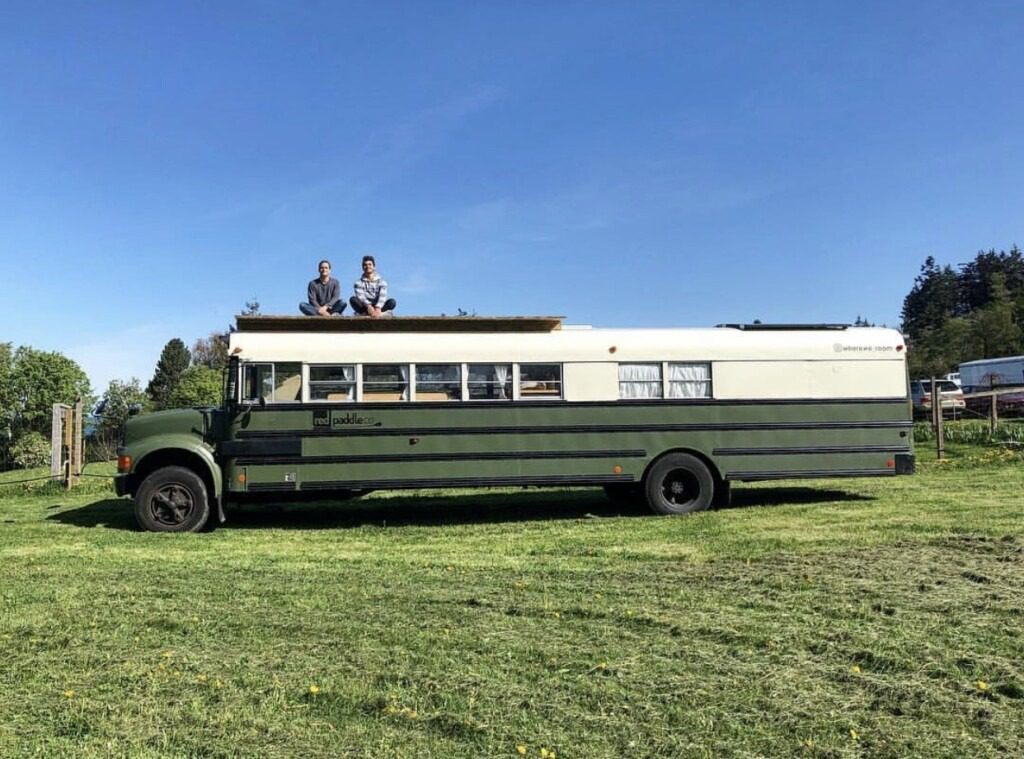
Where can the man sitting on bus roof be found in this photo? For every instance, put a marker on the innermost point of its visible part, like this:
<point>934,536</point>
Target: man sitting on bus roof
<point>371,298</point>
<point>324,294</point>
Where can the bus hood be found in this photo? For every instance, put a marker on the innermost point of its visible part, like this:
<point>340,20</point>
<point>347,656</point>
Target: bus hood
<point>197,422</point>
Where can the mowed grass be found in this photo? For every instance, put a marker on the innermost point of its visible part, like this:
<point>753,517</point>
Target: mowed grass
<point>822,618</point>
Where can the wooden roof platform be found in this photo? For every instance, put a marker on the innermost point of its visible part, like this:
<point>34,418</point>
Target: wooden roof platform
<point>399,323</point>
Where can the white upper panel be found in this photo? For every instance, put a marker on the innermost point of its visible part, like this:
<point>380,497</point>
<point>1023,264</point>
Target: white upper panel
<point>572,345</point>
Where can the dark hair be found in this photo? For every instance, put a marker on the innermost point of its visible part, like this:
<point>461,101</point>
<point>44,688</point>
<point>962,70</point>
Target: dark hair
<point>324,261</point>
<point>369,258</point>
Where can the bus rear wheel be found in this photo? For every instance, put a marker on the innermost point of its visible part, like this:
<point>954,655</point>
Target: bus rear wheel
<point>679,484</point>
<point>172,499</point>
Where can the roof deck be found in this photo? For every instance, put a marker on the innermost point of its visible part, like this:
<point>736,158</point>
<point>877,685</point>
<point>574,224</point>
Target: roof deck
<point>406,324</point>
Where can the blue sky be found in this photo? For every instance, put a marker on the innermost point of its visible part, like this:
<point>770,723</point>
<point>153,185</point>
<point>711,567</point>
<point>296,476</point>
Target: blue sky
<point>621,164</point>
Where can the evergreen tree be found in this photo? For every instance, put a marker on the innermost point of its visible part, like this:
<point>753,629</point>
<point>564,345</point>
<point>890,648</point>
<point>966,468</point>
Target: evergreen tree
<point>174,359</point>
<point>994,330</point>
<point>975,278</point>
<point>933,299</point>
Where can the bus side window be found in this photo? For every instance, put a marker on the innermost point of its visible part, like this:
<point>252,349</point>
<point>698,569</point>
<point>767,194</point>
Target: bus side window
<point>689,380</point>
<point>540,380</point>
<point>257,381</point>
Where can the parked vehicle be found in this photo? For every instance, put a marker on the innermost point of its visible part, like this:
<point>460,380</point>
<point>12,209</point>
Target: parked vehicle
<point>988,373</point>
<point>951,396</point>
<point>954,377</point>
<point>331,408</point>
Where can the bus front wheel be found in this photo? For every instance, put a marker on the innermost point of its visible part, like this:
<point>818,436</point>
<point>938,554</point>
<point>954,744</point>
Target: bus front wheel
<point>679,484</point>
<point>172,499</point>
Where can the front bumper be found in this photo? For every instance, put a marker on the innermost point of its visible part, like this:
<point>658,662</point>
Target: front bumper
<point>121,484</point>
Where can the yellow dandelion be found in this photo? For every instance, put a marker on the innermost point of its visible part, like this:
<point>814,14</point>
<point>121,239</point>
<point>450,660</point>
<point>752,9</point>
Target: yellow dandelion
<point>982,685</point>
<point>69,693</point>
<point>855,669</point>
<point>521,750</point>
<point>218,684</point>
<point>314,689</point>
<point>201,678</point>
<point>544,753</point>
<point>168,654</point>
<point>854,735</point>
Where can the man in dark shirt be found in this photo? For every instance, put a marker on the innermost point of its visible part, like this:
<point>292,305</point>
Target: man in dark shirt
<point>324,294</point>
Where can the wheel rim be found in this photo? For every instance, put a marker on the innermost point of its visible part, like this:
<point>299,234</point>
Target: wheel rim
<point>680,487</point>
<point>171,505</point>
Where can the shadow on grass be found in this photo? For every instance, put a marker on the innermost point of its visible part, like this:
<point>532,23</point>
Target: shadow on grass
<point>115,513</point>
<point>425,509</point>
<point>792,496</point>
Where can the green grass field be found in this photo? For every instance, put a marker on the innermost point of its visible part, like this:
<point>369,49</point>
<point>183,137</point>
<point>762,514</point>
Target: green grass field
<point>822,618</point>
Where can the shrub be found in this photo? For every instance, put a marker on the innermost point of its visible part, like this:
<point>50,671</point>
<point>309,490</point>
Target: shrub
<point>972,431</point>
<point>31,450</point>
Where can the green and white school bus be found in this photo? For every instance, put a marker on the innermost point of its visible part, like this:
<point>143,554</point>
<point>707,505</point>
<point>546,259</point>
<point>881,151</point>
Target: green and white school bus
<point>331,408</point>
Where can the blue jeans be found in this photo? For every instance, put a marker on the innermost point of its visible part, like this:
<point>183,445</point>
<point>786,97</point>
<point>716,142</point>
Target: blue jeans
<point>359,308</point>
<point>335,308</point>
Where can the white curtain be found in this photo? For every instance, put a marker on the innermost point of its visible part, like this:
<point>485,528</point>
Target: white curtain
<point>639,380</point>
<point>501,372</point>
<point>403,371</point>
<point>689,380</point>
<point>348,373</point>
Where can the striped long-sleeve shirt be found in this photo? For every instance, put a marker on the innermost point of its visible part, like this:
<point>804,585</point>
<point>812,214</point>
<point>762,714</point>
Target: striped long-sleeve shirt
<point>372,292</point>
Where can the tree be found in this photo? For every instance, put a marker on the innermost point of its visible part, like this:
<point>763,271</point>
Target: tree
<point>252,307</point>
<point>174,359</point>
<point>115,405</point>
<point>211,351</point>
<point>198,386</point>
<point>941,350</point>
<point>37,380</point>
<point>933,299</point>
<point>994,331</point>
<point>975,279</point>
<point>6,396</point>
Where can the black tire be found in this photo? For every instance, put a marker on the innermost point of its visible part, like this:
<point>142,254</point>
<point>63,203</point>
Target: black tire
<point>172,499</point>
<point>624,493</point>
<point>679,484</point>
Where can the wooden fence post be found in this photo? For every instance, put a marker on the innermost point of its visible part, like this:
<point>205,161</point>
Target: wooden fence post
<point>77,444</point>
<point>993,419</point>
<point>56,440</point>
<point>940,443</point>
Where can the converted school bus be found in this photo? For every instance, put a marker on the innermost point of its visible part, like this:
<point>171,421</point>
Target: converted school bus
<point>331,408</point>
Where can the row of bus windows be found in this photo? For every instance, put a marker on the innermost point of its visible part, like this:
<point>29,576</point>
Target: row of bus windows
<point>282,382</point>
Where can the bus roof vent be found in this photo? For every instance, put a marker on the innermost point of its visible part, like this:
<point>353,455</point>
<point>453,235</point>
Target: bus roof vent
<point>757,327</point>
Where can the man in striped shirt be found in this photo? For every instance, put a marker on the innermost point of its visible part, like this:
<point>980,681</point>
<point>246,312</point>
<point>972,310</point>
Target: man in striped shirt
<point>371,298</point>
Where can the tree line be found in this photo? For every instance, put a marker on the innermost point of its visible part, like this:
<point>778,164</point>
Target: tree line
<point>973,311</point>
